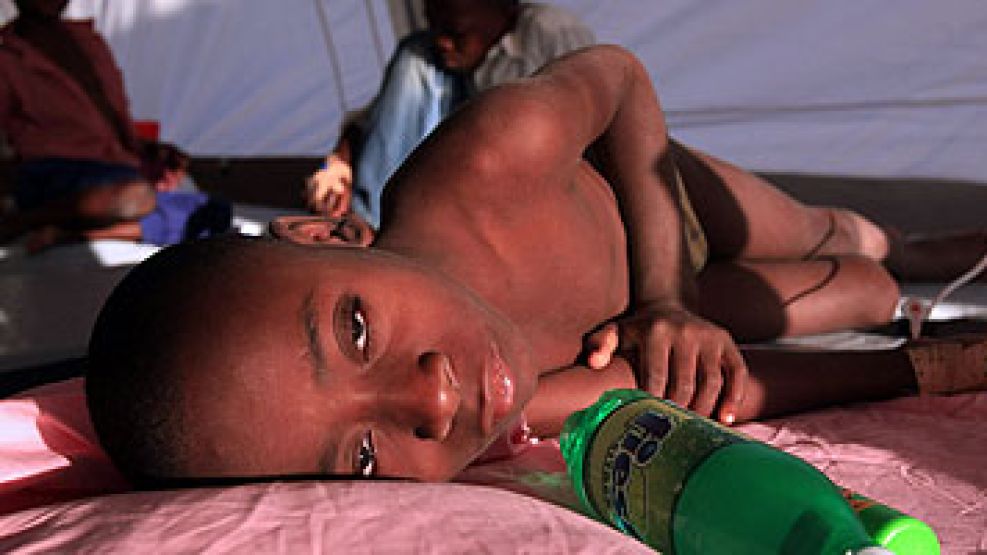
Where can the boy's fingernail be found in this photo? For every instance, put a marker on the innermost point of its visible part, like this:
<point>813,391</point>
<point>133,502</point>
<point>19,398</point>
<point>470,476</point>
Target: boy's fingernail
<point>729,418</point>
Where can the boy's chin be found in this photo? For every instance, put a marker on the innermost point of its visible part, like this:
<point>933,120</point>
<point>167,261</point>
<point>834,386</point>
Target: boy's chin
<point>514,439</point>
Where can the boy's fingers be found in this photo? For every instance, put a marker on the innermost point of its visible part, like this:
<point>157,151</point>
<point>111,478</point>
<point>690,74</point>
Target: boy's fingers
<point>653,370</point>
<point>316,190</point>
<point>598,360</point>
<point>735,385</point>
<point>683,380</point>
<point>601,345</point>
<point>710,384</point>
<point>335,203</point>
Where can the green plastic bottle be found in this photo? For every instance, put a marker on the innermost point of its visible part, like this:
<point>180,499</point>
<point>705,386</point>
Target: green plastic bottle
<point>683,484</point>
<point>902,534</point>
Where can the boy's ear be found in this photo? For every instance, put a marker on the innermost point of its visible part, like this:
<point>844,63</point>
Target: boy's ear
<point>347,230</point>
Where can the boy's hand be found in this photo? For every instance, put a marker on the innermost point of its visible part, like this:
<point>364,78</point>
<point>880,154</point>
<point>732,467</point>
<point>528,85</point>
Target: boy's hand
<point>328,191</point>
<point>678,356</point>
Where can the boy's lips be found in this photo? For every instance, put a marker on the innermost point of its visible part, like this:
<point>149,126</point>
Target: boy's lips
<point>497,389</point>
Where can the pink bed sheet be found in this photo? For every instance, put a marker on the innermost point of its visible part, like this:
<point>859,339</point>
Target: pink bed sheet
<point>925,456</point>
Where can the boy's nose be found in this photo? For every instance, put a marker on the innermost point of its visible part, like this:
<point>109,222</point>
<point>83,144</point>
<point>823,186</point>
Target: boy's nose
<point>446,48</point>
<point>444,44</point>
<point>431,396</point>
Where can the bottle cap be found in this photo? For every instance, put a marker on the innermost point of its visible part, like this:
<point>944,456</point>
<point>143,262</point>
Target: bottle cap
<point>873,551</point>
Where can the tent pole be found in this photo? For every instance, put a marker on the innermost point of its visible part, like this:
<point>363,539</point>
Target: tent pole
<point>333,55</point>
<point>375,31</point>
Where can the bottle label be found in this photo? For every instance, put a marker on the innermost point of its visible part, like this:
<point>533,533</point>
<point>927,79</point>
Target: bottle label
<point>639,460</point>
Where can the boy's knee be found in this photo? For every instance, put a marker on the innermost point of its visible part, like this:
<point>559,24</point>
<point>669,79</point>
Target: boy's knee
<point>879,293</point>
<point>134,200</point>
<point>865,237</point>
<point>112,203</point>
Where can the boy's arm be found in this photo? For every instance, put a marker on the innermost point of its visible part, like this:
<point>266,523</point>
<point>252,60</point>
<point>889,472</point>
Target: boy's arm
<point>603,96</point>
<point>782,382</point>
<point>567,390</point>
<point>576,387</point>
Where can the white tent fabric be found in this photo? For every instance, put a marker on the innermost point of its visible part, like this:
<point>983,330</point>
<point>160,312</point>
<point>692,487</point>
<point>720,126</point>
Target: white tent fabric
<point>892,88</point>
<point>246,77</point>
<point>870,87</point>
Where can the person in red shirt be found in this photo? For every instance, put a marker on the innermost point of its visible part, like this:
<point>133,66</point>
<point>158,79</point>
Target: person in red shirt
<point>82,171</point>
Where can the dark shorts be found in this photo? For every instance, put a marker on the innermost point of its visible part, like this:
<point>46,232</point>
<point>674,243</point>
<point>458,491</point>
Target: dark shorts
<point>177,216</point>
<point>42,181</point>
<point>692,230</point>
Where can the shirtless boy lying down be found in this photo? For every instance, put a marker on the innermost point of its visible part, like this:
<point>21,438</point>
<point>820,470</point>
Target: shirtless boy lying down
<point>510,276</point>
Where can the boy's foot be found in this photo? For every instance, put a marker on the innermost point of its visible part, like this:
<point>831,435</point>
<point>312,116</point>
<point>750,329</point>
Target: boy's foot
<point>949,365</point>
<point>935,258</point>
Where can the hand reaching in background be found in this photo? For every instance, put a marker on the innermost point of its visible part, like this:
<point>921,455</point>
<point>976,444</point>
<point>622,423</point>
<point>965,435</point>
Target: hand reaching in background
<point>329,190</point>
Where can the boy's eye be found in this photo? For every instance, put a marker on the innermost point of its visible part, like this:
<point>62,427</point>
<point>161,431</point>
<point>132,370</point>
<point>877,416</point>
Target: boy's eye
<point>366,464</point>
<point>351,326</point>
<point>359,331</point>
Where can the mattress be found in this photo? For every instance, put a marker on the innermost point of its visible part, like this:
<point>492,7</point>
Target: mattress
<point>58,492</point>
<point>922,455</point>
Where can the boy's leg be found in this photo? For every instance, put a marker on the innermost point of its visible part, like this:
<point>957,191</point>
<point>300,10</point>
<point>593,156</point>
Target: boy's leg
<point>110,204</point>
<point>779,267</point>
<point>760,300</point>
<point>937,257</point>
<point>48,236</point>
<point>747,218</point>
<point>90,208</point>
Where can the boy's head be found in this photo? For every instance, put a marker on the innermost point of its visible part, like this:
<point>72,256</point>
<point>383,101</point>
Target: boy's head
<point>40,9</point>
<point>466,29</point>
<point>252,357</point>
<point>163,164</point>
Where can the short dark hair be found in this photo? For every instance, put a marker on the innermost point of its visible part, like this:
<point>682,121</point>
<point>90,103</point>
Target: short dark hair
<point>133,379</point>
<point>499,4</point>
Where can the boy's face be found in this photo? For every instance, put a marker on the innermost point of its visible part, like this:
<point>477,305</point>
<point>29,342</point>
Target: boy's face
<point>465,30</point>
<point>349,361</point>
